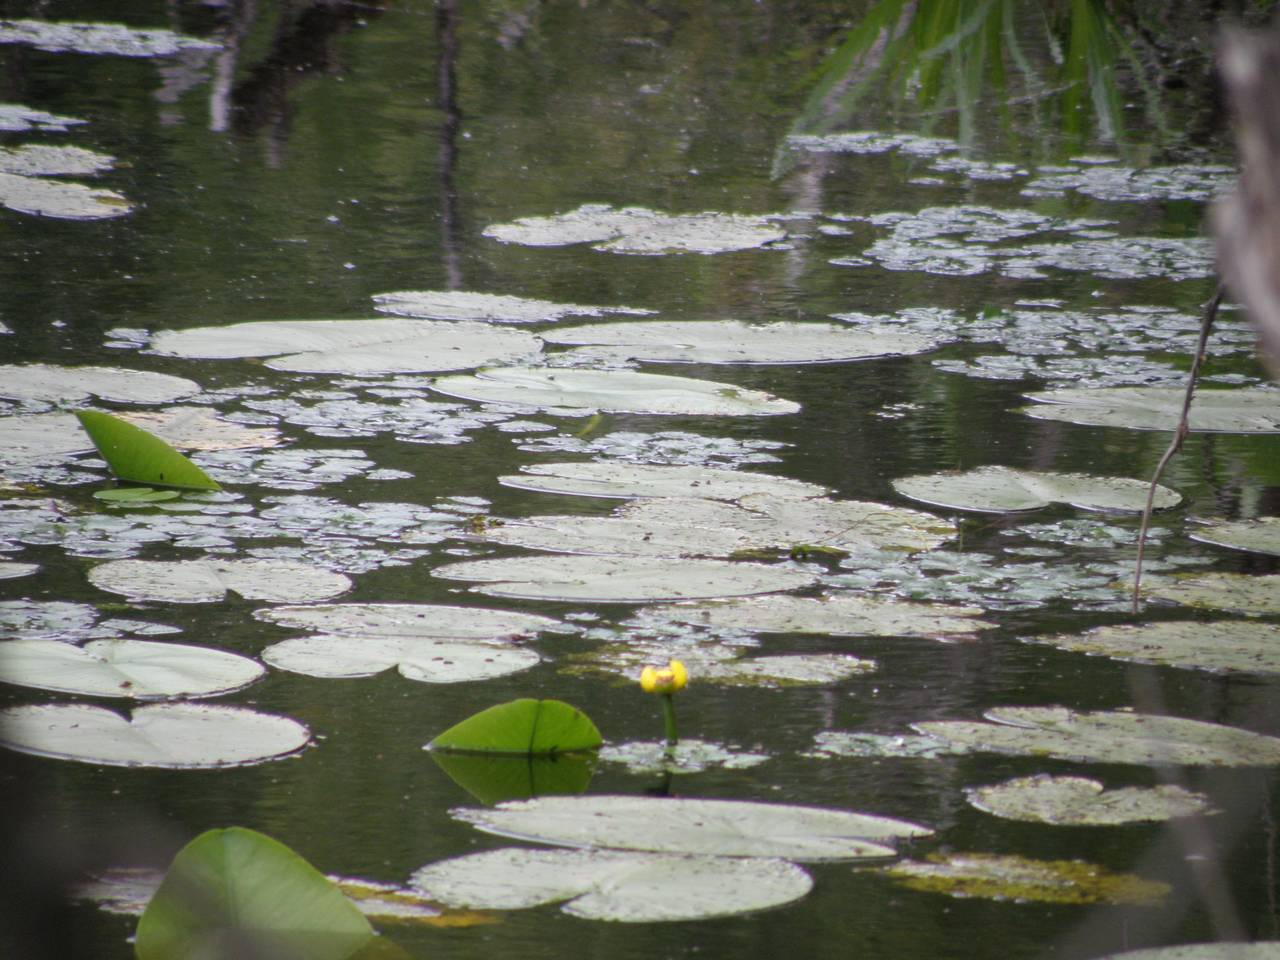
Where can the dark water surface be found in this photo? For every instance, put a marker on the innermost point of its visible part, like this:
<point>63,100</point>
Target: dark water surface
<point>363,149</point>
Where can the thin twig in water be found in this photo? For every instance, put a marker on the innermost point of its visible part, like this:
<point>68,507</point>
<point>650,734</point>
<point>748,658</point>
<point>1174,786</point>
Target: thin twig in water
<point>1180,434</point>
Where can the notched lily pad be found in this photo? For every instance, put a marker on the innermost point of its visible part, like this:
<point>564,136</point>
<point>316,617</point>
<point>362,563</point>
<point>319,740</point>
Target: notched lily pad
<point>1228,646</point>
<point>626,481</point>
<point>1079,801</point>
<point>1259,535</point>
<point>999,489</point>
<point>577,393</point>
<point>1246,410</point>
<point>209,581</point>
<point>416,658</point>
<point>487,307</point>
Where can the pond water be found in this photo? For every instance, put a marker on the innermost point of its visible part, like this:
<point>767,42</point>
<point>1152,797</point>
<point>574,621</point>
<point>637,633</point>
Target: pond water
<point>1049,234</point>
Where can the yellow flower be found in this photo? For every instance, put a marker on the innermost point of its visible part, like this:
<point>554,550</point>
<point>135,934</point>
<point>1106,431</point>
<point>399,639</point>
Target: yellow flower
<point>666,679</point>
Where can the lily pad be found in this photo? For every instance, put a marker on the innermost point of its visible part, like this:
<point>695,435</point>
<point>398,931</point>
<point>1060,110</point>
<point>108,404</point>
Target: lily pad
<point>9,570</point>
<point>1259,535</point>
<point>581,392</point>
<point>688,756</point>
<point>613,885</point>
<point>102,38</point>
<point>625,481</point>
<point>58,384</point>
<point>1223,950</point>
<point>724,828</point>
<point>170,735</point>
<point>636,230</point>
<point>409,620</point>
<point>44,160</point>
<point>1079,801</point>
<point>209,581</point>
<point>15,117</point>
<point>1248,593</point>
<point>59,199</point>
<point>732,341</point>
<point>843,743</point>
<point>416,658</point>
<point>616,536</point>
<point>354,347</point>
<point>786,670</point>
<point>1248,410</point>
<point>995,877</point>
<point>488,307</point>
<point>199,428</point>
<point>143,669</point>
<point>137,456</point>
<point>495,777</point>
<point>130,496</point>
<point>622,579</point>
<point>1108,737</point>
<point>1231,646</point>
<point>526,727</point>
<point>998,489</point>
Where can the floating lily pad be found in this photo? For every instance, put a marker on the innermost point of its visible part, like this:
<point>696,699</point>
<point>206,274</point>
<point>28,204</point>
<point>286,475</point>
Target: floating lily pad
<point>1259,535</point>
<point>688,756</point>
<point>143,669</point>
<point>525,727</point>
<point>837,615</point>
<point>417,658</point>
<point>199,428</point>
<point>15,117</point>
<point>58,384</point>
<point>625,481</point>
<point>1108,737</point>
<point>209,581</point>
<point>786,670</point>
<point>491,308</point>
<point>170,735</point>
<point>354,347</point>
<point>409,620</point>
<point>1223,950</point>
<point>725,828</point>
<point>998,489</point>
<point>1234,646</point>
<point>42,438</point>
<point>613,885</point>
<point>10,570</point>
<point>130,496</point>
<point>842,743</point>
<point>622,579</point>
<point>1251,593</point>
<point>44,160</point>
<point>580,392</point>
<point>617,536</point>
<point>1125,184</point>
<point>1248,410</point>
<point>1083,802</point>
<point>102,38</point>
<point>994,877</point>
<point>636,230</point>
<point>732,341</point>
<point>60,199</point>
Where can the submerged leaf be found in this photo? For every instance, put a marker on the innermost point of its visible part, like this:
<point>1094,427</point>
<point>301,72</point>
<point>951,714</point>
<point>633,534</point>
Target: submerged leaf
<point>995,877</point>
<point>526,726</point>
<point>999,489</point>
<point>1084,802</point>
<point>135,455</point>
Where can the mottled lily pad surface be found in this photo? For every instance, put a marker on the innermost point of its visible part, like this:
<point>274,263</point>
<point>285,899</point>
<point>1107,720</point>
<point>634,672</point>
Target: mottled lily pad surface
<point>209,581</point>
<point>732,341</point>
<point>613,885</point>
<point>199,428</point>
<point>488,307</point>
<point>1228,646</point>
<point>1004,489</point>
<point>1252,410</point>
<point>624,480</point>
<point>1259,535</point>
<point>1080,801</point>
<point>1249,593</point>
<point>637,230</point>
<point>101,38</point>
<point>15,117</point>
<point>690,755</point>
<point>1267,950</point>
<point>581,392</point>
<point>59,199</point>
<point>409,620</point>
<point>995,877</point>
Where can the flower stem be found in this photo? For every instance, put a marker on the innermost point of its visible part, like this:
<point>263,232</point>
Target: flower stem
<point>669,719</point>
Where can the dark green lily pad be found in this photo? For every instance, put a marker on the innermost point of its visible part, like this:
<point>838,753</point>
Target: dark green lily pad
<point>526,727</point>
<point>494,777</point>
<point>135,455</point>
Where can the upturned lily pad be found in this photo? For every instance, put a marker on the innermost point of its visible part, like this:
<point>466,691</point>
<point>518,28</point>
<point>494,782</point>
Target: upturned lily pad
<point>103,38</point>
<point>135,455</point>
<point>170,735</point>
<point>581,392</point>
<point>409,620</point>
<point>608,579</point>
<point>1246,410</point>
<point>725,828</point>
<point>60,199</point>
<point>525,727</point>
<point>209,581</point>
<point>495,777</point>
<point>998,489</point>
<point>1079,801</point>
<point>143,669</point>
<point>57,384</point>
<point>1231,646</point>
<point>1249,593</point>
<point>995,877</point>
<point>354,347</point>
<point>1108,737</point>
<point>487,307</point>
<point>636,230</point>
<point>1259,535</point>
<point>625,481</point>
<point>837,615</point>
<point>417,658</point>
<point>732,341</point>
<point>613,885</point>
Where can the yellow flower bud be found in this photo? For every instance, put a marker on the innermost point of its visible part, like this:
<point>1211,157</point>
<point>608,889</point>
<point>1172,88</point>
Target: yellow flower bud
<point>666,679</point>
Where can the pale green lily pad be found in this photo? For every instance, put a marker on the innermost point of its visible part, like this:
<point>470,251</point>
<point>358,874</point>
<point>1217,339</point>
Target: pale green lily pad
<point>14,117</point>
<point>135,496</point>
<point>1108,737</point>
<point>581,392</point>
<point>993,877</point>
<point>410,621</point>
<point>416,658</point>
<point>42,438</point>
<point>1229,646</point>
<point>613,885</point>
<point>843,743</point>
<point>615,536</point>
<point>688,756</point>
<point>786,670</point>
<point>10,570</point>
<point>636,230</point>
<point>170,735</point>
<point>1246,410</point>
<point>210,580</point>
<point>487,307</point>
<point>353,347</point>
<point>59,199</point>
<point>102,38</point>
<point>732,341</point>
<point>1259,535</point>
<point>44,160</point>
<point>723,828</point>
<point>837,615</point>
<point>143,669</point>
<point>51,383</point>
<point>1225,950</point>
<point>1079,801</point>
<point>622,579</point>
<point>199,428</point>
<point>1249,593</point>
<point>626,481</point>
<point>999,489</point>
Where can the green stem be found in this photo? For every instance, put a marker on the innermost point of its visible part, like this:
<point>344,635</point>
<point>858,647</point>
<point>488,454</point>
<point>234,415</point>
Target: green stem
<point>669,719</point>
